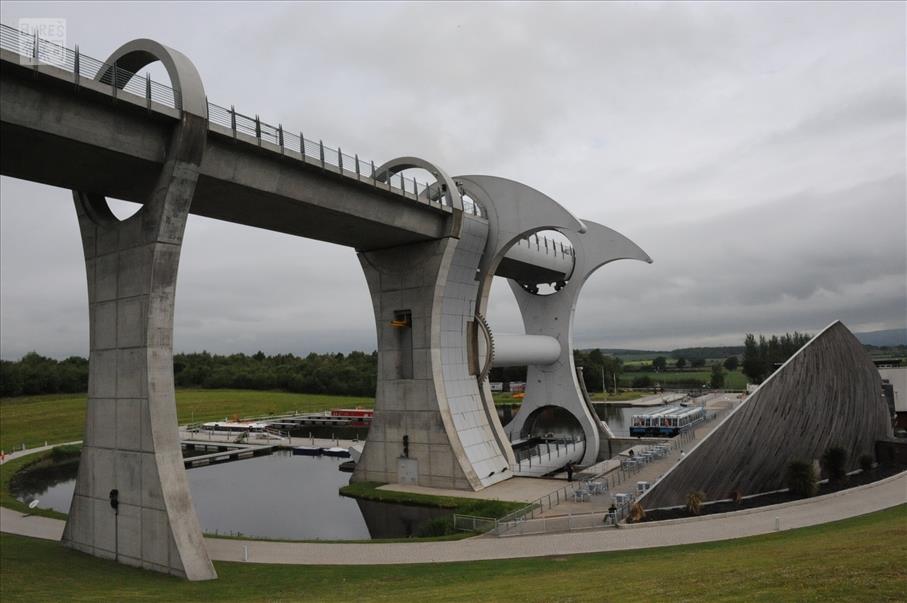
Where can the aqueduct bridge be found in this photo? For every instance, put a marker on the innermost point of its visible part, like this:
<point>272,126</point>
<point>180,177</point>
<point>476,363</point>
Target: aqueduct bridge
<point>429,252</point>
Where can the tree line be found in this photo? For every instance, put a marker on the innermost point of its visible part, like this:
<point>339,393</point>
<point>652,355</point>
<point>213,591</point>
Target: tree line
<point>763,357</point>
<point>355,374</point>
<point>35,374</point>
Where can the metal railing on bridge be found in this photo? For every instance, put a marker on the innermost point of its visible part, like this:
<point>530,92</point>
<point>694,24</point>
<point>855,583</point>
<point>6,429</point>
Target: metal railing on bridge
<point>37,51</point>
<point>559,447</point>
<point>543,244</point>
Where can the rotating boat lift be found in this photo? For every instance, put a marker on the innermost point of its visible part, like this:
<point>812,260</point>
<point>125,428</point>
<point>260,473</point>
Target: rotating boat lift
<point>435,421</point>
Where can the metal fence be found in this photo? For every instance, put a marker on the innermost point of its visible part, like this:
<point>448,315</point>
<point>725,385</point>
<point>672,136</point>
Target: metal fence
<point>544,450</point>
<point>528,519</point>
<point>36,51</point>
<point>470,523</point>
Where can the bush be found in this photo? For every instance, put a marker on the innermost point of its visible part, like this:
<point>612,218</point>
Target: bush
<point>737,496</point>
<point>801,479</point>
<point>642,382</point>
<point>866,461</point>
<point>834,462</point>
<point>637,513</point>
<point>62,454</point>
<point>439,526</point>
<point>694,502</point>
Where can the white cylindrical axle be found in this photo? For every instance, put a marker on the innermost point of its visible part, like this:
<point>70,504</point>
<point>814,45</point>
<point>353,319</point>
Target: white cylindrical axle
<point>520,350</point>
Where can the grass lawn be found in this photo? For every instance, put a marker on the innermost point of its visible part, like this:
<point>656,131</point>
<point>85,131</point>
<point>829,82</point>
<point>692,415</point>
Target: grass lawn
<point>463,506</point>
<point>859,559</point>
<point>61,417</point>
<point>618,397</point>
<point>507,398</point>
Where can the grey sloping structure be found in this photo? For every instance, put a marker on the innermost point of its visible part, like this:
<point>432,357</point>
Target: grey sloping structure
<point>827,394</point>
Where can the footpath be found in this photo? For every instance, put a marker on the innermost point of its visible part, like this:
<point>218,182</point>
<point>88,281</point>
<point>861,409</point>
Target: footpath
<point>886,493</point>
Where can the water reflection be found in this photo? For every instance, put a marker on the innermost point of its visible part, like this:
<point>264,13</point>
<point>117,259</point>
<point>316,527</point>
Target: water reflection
<point>52,485</point>
<point>386,520</point>
<point>275,496</point>
<point>619,418</point>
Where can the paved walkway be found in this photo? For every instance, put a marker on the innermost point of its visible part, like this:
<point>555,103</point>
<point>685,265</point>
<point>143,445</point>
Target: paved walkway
<point>822,509</point>
<point>8,456</point>
<point>607,471</point>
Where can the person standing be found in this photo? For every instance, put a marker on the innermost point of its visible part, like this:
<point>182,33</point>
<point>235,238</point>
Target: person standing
<point>570,471</point>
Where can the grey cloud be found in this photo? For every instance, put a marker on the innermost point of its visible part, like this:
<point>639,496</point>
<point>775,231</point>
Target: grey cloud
<point>756,151</point>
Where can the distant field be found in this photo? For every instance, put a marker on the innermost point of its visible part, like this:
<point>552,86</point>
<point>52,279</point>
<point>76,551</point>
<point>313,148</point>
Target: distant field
<point>61,417</point>
<point>859,559</point>
<point>506,398</point>
<point>732,380</point>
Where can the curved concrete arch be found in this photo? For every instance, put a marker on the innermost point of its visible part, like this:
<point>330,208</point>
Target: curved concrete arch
<point>553,315</point>
<point>189,139</point>
<point>184,77</point>
<point>385,171</point>
<point>514,211</point>
<point>132,444</point>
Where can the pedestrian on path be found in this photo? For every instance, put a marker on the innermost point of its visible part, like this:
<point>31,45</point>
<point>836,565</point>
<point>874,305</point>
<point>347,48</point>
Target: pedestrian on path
<point>570,472</point>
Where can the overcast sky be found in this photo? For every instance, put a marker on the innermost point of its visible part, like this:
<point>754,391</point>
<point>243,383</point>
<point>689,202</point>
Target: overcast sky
<point>755,151</point>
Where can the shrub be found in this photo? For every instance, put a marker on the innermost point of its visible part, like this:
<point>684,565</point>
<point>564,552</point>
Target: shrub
<point>439,526</point>
<point>637,513</point>
<point>801,479</point>
<point>834,461</point>
<point>61,454</point>
<point>737,496</point>
<point>866,461</point>
<point>642,382</point>
<point>694,502</point>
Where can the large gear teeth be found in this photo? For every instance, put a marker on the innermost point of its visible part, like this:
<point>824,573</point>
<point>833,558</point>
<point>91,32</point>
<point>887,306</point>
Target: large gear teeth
<point>489,340</point>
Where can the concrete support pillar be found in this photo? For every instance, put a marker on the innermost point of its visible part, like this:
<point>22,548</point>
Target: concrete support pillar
<point>514,211</point>
<point>131,443</point>
<point>556,384</point>
<point>424,298</point>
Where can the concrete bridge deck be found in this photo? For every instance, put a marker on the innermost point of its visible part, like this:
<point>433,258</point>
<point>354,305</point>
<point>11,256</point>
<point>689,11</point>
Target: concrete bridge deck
<point>70,131</point>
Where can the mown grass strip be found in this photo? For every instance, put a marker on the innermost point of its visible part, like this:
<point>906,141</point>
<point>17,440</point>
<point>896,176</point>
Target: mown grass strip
<point>32,420</point>
<point>859,559</point>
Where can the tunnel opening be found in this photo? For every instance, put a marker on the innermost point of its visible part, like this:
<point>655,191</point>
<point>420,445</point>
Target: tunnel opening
<point>551,422</point>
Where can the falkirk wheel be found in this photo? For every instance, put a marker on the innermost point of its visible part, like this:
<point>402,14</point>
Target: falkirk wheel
<point>435,422</point>
<point>428,256</point>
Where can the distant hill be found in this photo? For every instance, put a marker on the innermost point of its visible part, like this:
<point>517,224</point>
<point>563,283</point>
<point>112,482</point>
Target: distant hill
<point>688,353</point>
<point>624,352</point>
<point>708,353</point>
<point>887,338</point>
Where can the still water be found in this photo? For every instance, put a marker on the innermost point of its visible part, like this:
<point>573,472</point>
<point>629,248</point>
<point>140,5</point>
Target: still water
<point>619,418</point>
<point>275,496</point>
